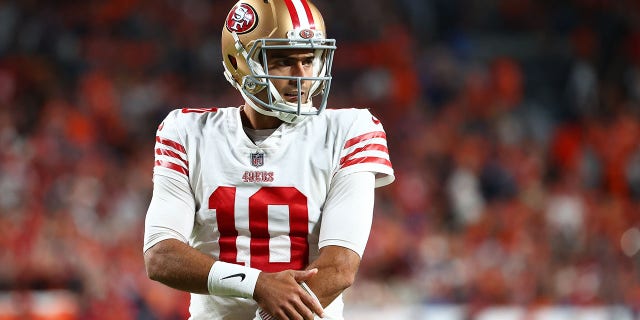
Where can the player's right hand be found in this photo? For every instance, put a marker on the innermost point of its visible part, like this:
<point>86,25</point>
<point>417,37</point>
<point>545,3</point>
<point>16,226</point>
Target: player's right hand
<point>281,295</point>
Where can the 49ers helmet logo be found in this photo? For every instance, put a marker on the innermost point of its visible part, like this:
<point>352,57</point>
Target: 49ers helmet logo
<point>306,34</point>
<point>242,18</point>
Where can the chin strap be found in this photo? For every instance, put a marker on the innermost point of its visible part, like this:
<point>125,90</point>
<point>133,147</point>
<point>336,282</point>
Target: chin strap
<point>286,117</point>
<point>289,118</point>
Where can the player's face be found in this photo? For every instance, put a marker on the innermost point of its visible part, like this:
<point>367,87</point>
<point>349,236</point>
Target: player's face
<point>292,63</point>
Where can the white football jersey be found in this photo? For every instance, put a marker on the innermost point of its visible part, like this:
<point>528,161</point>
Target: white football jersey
<point>260,204</point>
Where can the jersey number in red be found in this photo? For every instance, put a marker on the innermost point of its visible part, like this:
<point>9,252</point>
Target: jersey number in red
<point>223,201</point>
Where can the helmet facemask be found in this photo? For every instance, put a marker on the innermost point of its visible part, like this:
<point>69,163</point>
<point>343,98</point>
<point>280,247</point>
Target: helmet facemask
<point>257,87</point>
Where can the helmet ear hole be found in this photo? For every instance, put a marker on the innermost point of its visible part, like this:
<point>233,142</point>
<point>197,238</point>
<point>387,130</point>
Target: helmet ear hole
<point>233,61</point>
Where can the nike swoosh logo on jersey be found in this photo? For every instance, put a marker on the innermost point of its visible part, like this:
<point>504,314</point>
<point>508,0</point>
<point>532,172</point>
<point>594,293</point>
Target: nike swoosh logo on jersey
<point>241,275</point>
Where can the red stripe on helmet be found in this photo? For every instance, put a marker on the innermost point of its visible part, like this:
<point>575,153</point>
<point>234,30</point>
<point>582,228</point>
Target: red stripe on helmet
<point>307,10</point>
<point>295,14</point>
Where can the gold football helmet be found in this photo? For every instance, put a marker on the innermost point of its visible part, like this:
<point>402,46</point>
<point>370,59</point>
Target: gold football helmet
<point>254,26</point>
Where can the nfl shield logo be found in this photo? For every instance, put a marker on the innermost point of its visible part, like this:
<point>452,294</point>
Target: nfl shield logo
<point>257,159</point>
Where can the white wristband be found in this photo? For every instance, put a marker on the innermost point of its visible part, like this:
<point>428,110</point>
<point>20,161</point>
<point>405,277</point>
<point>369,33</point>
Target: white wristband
<point>232,280</point>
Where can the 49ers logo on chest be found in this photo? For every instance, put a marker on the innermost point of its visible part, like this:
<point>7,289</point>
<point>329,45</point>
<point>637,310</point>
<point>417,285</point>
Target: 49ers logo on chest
<point>257,176</point>
<point>242,18</point>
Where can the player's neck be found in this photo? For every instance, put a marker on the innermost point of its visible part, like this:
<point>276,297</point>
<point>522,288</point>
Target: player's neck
<point>254,120</point>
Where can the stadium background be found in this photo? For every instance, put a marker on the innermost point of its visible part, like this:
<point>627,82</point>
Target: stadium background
<point>513,127</point>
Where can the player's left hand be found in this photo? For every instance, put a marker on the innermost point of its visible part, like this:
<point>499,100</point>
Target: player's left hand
<point>279,294</point>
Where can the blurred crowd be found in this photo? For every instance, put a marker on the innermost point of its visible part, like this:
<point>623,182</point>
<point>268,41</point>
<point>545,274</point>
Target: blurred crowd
<point>513,127</point>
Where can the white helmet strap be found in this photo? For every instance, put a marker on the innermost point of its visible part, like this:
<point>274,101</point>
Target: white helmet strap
<point>286,117</point>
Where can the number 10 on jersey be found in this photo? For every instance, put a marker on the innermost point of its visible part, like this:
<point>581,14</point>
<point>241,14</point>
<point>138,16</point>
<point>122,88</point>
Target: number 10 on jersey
<point>223,201</point>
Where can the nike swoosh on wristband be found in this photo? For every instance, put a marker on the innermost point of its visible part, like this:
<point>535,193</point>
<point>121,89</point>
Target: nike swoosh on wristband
<point>241,275</point>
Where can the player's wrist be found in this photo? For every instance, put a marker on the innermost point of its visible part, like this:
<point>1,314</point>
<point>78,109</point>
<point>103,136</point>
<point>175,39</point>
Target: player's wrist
<point>232,280</point>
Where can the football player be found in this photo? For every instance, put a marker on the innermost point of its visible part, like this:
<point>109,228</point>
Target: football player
<point>264,210</point>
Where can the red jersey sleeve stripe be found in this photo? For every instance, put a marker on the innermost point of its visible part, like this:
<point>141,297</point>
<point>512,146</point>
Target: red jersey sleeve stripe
<point>363,137</point>
<point>369,147</point>
<point>172,166</point>
<point>374,160</point>
<point>169,153</point>
<point>171,143</point>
